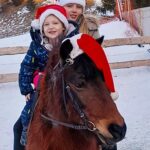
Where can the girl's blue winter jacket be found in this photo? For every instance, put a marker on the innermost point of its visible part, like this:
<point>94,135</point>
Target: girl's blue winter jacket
<point>35,59</point>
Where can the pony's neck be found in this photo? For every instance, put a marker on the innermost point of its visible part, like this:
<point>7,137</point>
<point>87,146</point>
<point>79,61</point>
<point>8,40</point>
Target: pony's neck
<point>53,59</point>
<point>72,140</point>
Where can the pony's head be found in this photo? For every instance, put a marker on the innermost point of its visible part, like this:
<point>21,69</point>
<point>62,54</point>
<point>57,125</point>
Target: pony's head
<point>87,92</point>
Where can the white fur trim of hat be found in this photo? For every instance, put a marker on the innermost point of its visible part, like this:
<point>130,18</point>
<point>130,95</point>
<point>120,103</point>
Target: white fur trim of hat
<point>80,2</point>
<point>56,13</point>
<point>76,51</point>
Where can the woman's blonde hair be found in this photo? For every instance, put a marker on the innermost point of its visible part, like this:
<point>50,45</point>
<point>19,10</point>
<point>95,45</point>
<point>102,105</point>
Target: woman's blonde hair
<point>88,25</point>
<point>83,27</point>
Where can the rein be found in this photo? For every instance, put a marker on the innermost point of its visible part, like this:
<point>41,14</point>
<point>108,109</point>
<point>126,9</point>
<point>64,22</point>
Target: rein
<point>87,124</point>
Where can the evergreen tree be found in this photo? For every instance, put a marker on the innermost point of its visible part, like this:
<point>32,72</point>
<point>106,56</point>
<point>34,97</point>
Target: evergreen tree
<point>141,3</point>
<point>109,4</point>
<point>31,5</point>
<point>17,2</point>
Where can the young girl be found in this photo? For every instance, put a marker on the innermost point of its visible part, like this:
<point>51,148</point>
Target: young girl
<point>52,27</point>
<point>75,10</point>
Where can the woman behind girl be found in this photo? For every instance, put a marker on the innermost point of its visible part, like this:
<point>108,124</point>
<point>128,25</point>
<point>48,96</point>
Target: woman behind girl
<point>87,24</point>
<point>75,10</point>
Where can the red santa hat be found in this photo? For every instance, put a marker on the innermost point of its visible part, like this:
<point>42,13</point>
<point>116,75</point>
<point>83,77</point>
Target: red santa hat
<point>80,2</point>
<point>83,43</point>
<point>44,11</point>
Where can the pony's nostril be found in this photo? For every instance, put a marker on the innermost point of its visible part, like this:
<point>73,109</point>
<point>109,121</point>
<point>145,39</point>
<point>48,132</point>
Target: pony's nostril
<point>118,132</point>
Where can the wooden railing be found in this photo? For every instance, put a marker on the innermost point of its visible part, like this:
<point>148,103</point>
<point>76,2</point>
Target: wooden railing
<point>127,41</point>
<point>12,77</point>
<point>13,50</point>
<point>106,43</point>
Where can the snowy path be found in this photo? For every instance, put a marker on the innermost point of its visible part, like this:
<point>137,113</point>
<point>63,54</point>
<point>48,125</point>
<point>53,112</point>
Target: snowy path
<point>134,105</point>
<point>133,86</point>
<point>11,103</point>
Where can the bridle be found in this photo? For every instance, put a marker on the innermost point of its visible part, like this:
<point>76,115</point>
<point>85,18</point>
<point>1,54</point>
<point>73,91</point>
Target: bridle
<point>86,123</point>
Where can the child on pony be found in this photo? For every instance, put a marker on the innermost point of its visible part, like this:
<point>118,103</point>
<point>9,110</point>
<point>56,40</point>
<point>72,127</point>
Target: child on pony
<point>48,29</point>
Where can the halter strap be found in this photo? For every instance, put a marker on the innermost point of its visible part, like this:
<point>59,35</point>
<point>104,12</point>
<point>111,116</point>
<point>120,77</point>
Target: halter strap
<point>57,122</point>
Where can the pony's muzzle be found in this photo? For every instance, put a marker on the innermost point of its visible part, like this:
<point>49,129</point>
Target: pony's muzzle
<point>118,132</point>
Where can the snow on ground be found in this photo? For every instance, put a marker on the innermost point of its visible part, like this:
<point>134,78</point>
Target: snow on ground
<point>12,62</point>
<point>11,104</point>
<point>133,85</point>
<point>121,29</point>
<point>21,40</point>
<point>127,53</point>
<point>117,29</point>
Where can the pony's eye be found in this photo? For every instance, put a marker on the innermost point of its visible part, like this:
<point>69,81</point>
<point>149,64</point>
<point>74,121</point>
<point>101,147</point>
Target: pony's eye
<point>80,83</point>
<point>79,80</point>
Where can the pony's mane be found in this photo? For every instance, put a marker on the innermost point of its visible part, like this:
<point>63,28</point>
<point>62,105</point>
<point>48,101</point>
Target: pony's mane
<point>52,62</point>
<point>47,83</point>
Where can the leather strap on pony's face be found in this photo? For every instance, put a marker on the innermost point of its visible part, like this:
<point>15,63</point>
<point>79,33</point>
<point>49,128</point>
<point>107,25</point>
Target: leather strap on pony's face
<point>87,124</point>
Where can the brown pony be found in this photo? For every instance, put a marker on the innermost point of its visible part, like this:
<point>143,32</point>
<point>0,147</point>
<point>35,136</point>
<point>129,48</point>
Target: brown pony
<point>74,109</point>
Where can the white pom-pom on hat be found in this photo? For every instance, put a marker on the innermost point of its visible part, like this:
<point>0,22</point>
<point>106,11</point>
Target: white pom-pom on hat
<point>80,2</point>
<point>35,24</point>
<point>114,95</point>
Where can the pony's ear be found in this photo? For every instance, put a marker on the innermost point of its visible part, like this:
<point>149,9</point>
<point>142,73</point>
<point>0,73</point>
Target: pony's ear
<point>100,40</point>
<point>65,49</point>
